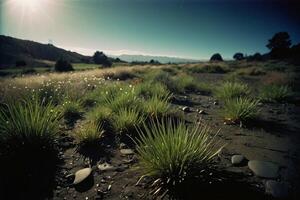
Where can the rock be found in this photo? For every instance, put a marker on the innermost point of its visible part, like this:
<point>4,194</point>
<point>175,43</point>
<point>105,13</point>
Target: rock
<point>277,189</point>
<point>81,175</point>
<point>126,151</point>
<point>186,109</point>
<point>105,167</point>
<point>237,159</point>
<point>264,169</point>
<point>215,103</point>
<point>201,112</point>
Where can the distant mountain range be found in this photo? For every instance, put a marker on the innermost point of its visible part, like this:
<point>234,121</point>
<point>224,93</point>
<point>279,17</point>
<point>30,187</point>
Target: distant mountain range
<point>147,58</point>
<point>14,50</point>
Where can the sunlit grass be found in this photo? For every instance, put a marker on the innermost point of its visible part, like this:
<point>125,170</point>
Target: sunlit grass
<point>230,90</point>
<point>170,152</point>
<point>240,109</point>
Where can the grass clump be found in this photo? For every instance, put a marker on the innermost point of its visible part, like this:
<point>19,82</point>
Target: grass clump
<point>240,109</point>
<point>126,119</point>
<point>90,134</point>
<point>156,106</point>
<point>170,152</point>
<point>28,131</point>
<point>103,117</point>
<point>26,123</point>
<point>149,89</point>
<point>275,93</point>
<point>71,110</point>
<point>229,90</point>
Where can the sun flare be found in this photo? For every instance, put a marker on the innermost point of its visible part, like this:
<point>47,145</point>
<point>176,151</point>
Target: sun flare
<point>29,5</point>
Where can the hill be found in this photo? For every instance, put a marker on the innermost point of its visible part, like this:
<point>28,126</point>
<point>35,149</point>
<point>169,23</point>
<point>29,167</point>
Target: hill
<point>14,50</point>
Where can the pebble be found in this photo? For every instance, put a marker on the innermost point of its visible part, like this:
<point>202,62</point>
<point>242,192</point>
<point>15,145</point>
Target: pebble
<point>105,167</point>
<point>237,159</point>
<point>186,109</point>
<point>264,169</point>
<point>202,112</point>
<point>81,175</point>
<point>126,151</point>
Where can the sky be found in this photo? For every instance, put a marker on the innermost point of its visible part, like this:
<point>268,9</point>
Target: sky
<point>181,28</point>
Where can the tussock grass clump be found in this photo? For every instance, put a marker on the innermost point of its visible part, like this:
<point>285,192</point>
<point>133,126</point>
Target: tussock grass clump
<point>90,134</point>
<point>103,117</point>
<point>275,93</point>
<point>240,109</point>
<point>72,110</point>
<point>229,90</point>
<point>126,119</point>
<point>156,106</point>
<point>29,123</point>
<point>170,152</point>
<point>149,89</point>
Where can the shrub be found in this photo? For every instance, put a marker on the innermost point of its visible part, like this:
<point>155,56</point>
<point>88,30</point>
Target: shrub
<point>216,57</point>
<point>238,56</point>
<point>126,119</point>
<point>170,152</point>
<point>275,93</point>
<point>89,135</point>
<point>240,109</point>
<point>156,106</point>
<point>63,66</point>
<point>123,75</point>
<point>230,90</point>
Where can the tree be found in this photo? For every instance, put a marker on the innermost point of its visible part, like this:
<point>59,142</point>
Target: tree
<point>102,59</point>
<point>63,66</point>
<point>238,56</point>
<point>279,45</point>
<point>216,57</point>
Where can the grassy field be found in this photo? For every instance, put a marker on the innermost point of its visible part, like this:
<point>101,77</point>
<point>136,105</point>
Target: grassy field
<point>148,131</point>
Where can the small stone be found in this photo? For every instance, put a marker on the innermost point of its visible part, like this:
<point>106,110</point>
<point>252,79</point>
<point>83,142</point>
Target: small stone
<point>237,159</point>
<point>105,167</point>
<point>126,151</point>
<point>109,187</point>
<point>202,112</point>
<point>277,189</point>
<point>215,103</point>
<point>81,175</point>
<point>186,109</point>
<point>264,169</point>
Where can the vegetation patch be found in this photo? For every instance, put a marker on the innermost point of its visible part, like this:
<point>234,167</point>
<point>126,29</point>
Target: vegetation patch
<point>229,90</point>
<point>275,93</point>
<point>170,152</point>
<point>240,109</point>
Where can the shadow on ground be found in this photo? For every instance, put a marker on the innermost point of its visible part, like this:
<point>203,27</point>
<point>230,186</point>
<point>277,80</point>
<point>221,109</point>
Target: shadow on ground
<point>28,172</point>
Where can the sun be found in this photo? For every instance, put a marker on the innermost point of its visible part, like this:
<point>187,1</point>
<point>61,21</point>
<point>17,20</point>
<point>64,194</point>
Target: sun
<point>29,5</point>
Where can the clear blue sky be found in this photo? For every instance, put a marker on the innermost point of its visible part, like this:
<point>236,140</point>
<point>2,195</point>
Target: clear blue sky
<point>183,28</point>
